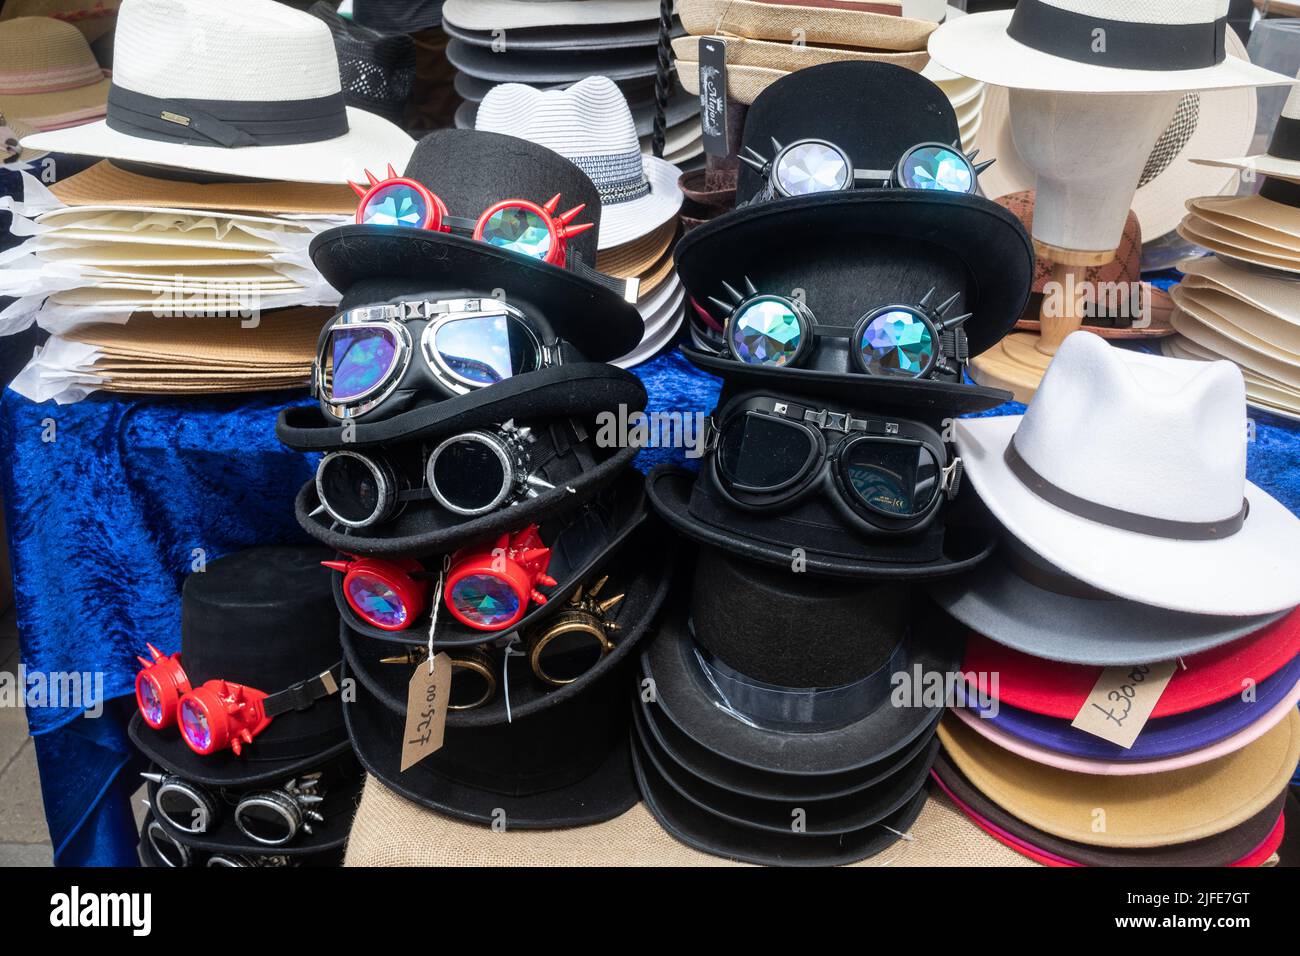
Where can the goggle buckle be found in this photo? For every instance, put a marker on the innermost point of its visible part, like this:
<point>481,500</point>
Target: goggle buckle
<point>952,478</point>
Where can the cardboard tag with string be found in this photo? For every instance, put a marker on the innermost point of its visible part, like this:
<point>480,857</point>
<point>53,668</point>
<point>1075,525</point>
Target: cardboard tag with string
<point>427,694</point>
<point>1122,700</point>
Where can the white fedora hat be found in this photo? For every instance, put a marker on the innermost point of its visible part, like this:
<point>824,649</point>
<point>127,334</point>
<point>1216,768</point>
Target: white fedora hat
<point>1128,472</point>
<point>1099,46</point>
<point>248,88</point>
<point>590,125</point>
<point>1283,157</point>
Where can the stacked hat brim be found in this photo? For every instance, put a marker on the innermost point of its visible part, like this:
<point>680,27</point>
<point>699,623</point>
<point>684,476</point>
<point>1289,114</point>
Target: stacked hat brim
<point>182,853</point>
<point>758,47</point>
<point>562,43</point>
<point>814,783</point>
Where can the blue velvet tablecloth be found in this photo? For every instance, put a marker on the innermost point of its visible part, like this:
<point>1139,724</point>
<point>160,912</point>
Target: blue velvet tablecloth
<point>107,518</point>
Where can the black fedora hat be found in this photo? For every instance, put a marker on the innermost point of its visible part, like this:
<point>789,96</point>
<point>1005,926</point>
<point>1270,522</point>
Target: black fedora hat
<point>814,531</point>
<point>637,577</point>
<point>263,618</point>
<point>471,171</point>
<point>846,253</point>
<point>742,675</point>
<point>565,766</point>
<point>341,778</point>
<point>568,456</point>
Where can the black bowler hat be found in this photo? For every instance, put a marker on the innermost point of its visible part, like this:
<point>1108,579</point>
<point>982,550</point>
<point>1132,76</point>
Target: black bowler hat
<point>472,171</point>
<point>751,714</point>
<point>263,618</point>
<point>847,253</point>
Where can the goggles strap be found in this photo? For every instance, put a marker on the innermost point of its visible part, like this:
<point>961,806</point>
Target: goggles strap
<point>304,694</point>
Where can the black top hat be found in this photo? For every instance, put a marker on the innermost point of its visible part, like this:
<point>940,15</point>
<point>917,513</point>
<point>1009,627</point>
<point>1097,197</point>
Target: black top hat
<point>263,618</point>
<point>754,714</point>
<point>859,249</point>
<point>472,171</point>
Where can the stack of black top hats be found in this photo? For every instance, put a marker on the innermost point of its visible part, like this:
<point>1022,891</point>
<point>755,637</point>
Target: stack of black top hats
<point>251,764</point>
<point>789,710</point>
<point>475,508</point>
<point>554,45</point>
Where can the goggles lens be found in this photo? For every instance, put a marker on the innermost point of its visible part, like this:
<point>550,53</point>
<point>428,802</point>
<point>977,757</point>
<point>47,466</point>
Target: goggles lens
<point>811,168</point>
<point>168,850</point>
<point>898,342</point>
<point>351,488</point>
<point>760,452</point>
<point>484,349</point>
<point>937,167</point>
<point>470,688</point>
<point>376,601</point>
<point>194,725</point>
<point>895,479</point>
<point>485,599</point>
<point>151,705</point>
<point>469,474</point>
<point>181,810</point>
<point>519,229</point>
<point>264,823</point>
<point>394,204</point>
<point>568,656</point>
<point>362,359</point>
<point>766,332</point>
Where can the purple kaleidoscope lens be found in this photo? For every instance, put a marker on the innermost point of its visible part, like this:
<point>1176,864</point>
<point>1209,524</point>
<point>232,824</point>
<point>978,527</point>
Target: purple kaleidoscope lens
<point>395,205</point>
<point>150,701</point>
<point>485,599</point>
<point>898,342</point>
<point>375,600</point>
<point>362,358</point>
<point>194,725</point>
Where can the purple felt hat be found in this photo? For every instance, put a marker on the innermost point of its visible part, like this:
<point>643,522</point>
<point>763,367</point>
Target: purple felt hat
<point>1161,737</point>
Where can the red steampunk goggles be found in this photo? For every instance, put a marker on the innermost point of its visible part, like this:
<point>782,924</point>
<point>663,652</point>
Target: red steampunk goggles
<point>488,589</point>
<point>220,714</point>
<point>518,225</point>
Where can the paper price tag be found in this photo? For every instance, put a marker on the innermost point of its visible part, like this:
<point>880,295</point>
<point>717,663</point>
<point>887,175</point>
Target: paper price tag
<point>713,95</point>
<point>1122,700</point>
<point>427,696</point>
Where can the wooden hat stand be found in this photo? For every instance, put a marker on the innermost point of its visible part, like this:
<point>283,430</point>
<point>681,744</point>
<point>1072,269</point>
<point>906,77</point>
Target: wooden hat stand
<point>1088,152</point>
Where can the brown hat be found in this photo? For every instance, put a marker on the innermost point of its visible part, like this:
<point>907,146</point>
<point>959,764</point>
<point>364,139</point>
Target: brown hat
<point>49,79</point>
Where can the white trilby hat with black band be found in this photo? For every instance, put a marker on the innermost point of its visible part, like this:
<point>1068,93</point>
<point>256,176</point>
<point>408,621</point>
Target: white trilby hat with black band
<point>240,88</point>
<point>1283,157</point>
<point>1099,46</point>
<point>590,125</point>
<point>1128,472</point>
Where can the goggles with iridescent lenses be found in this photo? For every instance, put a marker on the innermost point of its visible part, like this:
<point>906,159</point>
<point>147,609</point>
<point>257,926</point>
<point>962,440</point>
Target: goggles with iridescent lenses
<point>271,817</point>
<point>912,341</point>
<point>518,225</point>
<point>220,714</point>
<point>884,475</point>
<point>472,473</point>
<point>486,589</point>
<point>366,354</point>
<point>559,650</point>
<point>819,166</point>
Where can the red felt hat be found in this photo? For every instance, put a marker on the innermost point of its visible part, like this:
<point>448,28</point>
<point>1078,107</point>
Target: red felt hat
<point>1059,690</point>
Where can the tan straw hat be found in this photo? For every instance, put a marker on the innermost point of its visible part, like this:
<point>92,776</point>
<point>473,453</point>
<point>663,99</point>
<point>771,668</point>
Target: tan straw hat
<point>874,24</point>
<point>49,79</point>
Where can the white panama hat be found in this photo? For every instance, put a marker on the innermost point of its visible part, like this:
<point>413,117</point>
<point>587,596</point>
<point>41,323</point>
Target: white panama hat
<point>1099,46</point>
<point>1128,472</point>
<point>246,88</point>
<point>523,14</point>
<point>590,125</point>
<point>1283,157</point>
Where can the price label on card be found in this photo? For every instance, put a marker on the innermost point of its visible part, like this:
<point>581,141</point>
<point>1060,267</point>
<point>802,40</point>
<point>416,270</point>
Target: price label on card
<point>427,696</point>
<point>1122,700</point>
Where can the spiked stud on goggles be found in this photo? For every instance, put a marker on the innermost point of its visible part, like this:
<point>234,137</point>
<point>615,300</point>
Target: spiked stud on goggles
<point>539,232</point>
<point>220,714</point>
<point>912,341</point>
<point>819,166</point>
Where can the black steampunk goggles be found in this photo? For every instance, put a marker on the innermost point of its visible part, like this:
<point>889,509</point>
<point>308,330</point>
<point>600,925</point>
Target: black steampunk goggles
<point>885,476</point>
